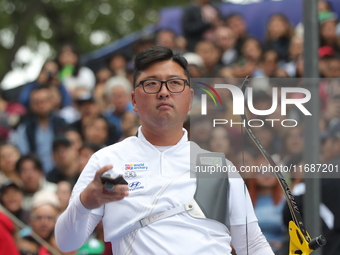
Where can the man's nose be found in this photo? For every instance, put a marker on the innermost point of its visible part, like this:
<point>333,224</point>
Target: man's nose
<point>164,92</point>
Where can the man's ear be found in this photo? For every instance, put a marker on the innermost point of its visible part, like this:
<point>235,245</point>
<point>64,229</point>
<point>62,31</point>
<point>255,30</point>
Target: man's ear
<point>133,101</point>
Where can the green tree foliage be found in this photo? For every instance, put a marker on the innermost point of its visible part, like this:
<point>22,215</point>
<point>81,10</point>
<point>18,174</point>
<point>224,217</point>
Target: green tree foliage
<point>86,24</point>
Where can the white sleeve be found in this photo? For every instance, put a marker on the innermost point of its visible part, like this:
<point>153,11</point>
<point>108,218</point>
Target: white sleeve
<point>74,226</point>
<point>77,223</point>
<point>249,240</point>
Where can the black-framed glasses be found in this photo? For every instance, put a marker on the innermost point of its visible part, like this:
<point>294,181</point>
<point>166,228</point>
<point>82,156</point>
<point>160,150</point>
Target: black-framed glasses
<point>153,86</point>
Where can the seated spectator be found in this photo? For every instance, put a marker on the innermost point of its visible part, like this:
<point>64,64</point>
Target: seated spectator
<point>211,56</point>
<point>117,64</point>
<point>166,38</point>
<point>279,34</point>
<point>292,144</point>
<point>89,110</point>
<point>63,192</point>
<point>199,21</point>
<point>66,162</point>
<point>48,76</point>
<point>75,138</point>
<point>102,76</point>
<point>225,39</point>
<point>220,141</point>
<point>238,24</point>
<point>195,64</point>
<point>118,96</point>
<point>295,51</point>
<point>129,120</point>
<point>72,73</point>
<point>328,25</point>
<point>36,132</point>
<point>269,65</point>
<point>9,154</point>
<point>11,197</point>
<point>266,195</point>
<point>44,213</point>
<point>30,170</point>
<point>85,153</point>
<point>100,132</point>
<point>7,241</point>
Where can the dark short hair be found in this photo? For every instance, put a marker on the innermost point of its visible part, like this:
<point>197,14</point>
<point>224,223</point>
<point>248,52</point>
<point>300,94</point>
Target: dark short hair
<point>155,54</point>
<point>29,157</point>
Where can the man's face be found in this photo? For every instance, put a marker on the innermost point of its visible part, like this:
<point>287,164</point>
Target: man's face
<point>30,176</point>
<point>41,103</point>
<point>330,149</point>
<point>163,108</point>
<point>12,199</point>
<point>64,156</point>
<point>119,99</point>
<point>43,219</point>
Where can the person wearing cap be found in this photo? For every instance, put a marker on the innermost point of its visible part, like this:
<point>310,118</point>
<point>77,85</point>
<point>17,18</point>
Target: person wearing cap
<point>66,161</point>
<point>161,154</point>
<point>11,197</point>
<point>30,170</point>
<point>36,132</point>
<point>88,109</point>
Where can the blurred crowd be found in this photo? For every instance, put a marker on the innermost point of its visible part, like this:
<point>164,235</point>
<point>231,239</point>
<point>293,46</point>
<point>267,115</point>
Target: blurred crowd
<point>54,124</point>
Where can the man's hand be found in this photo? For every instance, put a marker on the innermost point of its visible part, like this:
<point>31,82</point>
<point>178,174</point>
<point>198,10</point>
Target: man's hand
<point>93,195</point>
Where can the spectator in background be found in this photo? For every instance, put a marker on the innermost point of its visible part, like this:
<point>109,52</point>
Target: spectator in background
<point>328,25</point>
<point>11,197</point>
<point>48,76</point>
<point>63,192</point>
<point>71,72</point>
<point>117,91</point>
<point>75,138</point>
<point>30,170</point>
<point>44,213</point>
<point>225,39</point>
<point>102,75</point>
<point>199,21</point>
<point>66,162</point>
<point>247,61</point>
<point>211,56</point>
<point>85,153</point>
<point>89,110</point>
<point>9,154</point>
<point>267,197</point>
<point>10,113</point>
<point>324,6</point>
<point>269,65</point>
<point>166,38</point>
<point>291,144</point>
<point>100,132</point>
<point>195,64</point>
<point>129,121</point>
<point>117,64</point>
<point>238,24</point>
<point>220,141</point>
<point>36,132</point>
<point>295,51</point>
<point>279,34</point>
